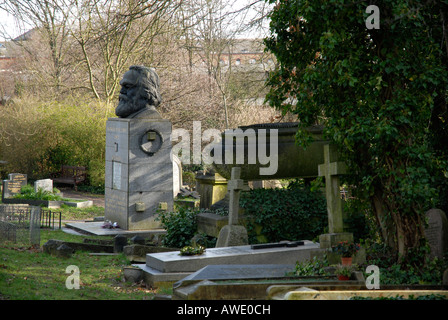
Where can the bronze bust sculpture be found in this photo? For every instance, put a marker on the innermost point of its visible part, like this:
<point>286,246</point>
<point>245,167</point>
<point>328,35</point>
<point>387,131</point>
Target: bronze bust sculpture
<point>139,94</point>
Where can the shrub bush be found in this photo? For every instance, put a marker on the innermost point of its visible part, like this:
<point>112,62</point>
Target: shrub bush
<point>37,137</point>
<point>27,192</point>
<point>180,227</point>
<point>293,213</point>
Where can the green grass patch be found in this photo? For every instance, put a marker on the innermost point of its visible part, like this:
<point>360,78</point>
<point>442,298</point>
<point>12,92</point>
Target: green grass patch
<point>30,274</point>
<point>73,213</point>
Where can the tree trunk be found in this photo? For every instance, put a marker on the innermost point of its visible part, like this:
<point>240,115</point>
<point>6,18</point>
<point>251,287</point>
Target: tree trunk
<point>385,224</point>
<point>401,231</point>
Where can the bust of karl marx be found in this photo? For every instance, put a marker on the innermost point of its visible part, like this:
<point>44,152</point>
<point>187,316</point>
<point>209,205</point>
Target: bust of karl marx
<point>139,94</point>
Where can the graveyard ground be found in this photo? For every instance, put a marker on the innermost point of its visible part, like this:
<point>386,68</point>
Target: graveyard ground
<point>28,273</point>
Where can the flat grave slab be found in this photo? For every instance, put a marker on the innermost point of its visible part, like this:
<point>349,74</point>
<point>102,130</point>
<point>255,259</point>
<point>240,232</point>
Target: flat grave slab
<point>95,228</point>
<point>160,268</point>
<point>238,271</point>
<point>174,262</point>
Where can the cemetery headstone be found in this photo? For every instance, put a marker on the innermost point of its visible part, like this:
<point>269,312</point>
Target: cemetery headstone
<point>43,185</point>
<point>12,186</point>
<point>139,170</point>
<point>233,234</point>
<point>120,241</point>
<point>437,232</point>
<point>34,228</point>
<point>331,169</point>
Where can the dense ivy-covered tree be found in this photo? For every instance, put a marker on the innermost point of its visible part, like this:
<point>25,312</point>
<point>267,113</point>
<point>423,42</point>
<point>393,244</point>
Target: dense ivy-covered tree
<point>381,94</point>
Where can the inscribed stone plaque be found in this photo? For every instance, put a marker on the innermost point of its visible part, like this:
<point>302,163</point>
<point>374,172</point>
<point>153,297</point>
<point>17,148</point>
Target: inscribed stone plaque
<point>20,177</point>
<point>437,232</point>
<point>116,175</point>
<point>11,188</point>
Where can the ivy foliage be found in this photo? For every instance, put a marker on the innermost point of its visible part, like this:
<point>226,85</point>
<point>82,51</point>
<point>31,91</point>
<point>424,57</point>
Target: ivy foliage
<point>293,213</point>
<point>381,94</point>
<point>180,226</point>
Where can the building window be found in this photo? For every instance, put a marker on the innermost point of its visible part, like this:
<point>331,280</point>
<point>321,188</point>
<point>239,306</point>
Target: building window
<point>238,62</point>
<point>252,61</point>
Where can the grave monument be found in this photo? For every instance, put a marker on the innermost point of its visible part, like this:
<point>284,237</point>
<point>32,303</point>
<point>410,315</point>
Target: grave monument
<point>331,169</point>
<point>12,186</point>
<point>139,170</point>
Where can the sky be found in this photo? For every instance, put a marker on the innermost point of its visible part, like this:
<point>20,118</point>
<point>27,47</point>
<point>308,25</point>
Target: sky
<point>8,25</point>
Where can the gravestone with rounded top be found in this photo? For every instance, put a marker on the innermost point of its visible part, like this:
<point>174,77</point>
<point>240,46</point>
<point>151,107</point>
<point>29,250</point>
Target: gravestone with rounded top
<point>436,232</point>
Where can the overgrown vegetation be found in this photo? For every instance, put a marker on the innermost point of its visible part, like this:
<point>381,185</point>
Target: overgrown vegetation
<point>37,137</point>
<point>28,192</point>
<point>180,227</point>
<point>381,95</point>
<point>292,213</point>
<point>422,270</point>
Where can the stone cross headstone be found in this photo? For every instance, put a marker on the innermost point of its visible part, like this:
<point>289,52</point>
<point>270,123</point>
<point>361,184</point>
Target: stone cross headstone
<point>437,232</point>
<point>330,169</point>
<point>233,234</point>
<point>43,185</point>
<point>12,186</point>
<point>234,186</point>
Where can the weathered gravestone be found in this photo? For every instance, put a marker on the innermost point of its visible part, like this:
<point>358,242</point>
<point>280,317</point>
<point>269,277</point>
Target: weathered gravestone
<point>45,185</point>
<point>437,232</point>
<point>139,170</point>
<point>331,169</point>
<point>12,186</point>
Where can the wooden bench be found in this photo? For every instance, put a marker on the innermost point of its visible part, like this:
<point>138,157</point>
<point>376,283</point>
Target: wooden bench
<point>70,175</point>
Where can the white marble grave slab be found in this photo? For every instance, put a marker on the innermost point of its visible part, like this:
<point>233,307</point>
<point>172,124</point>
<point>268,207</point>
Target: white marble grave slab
<point>174,262</point>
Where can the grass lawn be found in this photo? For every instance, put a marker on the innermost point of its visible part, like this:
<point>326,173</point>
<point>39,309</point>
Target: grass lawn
<point>72,213</point>
<point>30,274</point>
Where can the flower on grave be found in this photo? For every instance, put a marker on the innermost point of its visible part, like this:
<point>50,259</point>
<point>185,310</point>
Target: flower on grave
<point>345,248</point>
<point>192,250</point>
